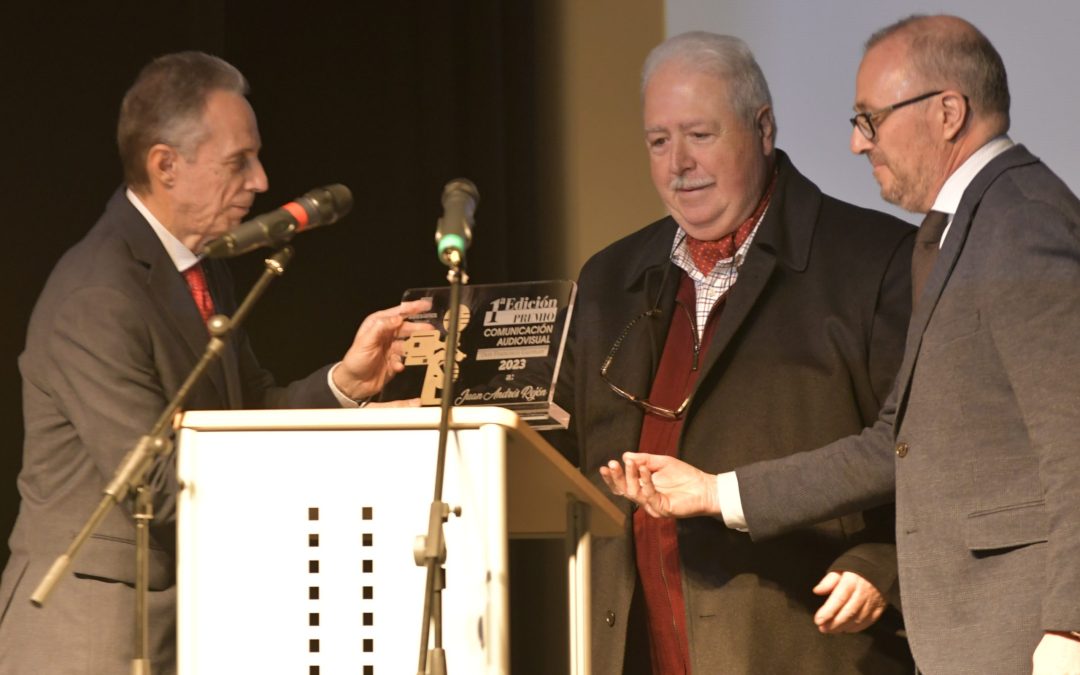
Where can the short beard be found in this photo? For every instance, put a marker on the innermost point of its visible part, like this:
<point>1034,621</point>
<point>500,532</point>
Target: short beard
<point>909,192</point>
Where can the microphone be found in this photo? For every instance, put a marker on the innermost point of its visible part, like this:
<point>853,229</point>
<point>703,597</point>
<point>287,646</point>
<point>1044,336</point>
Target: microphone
<point>321,206</point>
<point>453,234</point>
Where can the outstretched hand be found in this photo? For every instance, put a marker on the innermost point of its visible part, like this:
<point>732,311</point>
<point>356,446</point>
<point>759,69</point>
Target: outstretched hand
<point>377,352</point>
<point>664,486</point>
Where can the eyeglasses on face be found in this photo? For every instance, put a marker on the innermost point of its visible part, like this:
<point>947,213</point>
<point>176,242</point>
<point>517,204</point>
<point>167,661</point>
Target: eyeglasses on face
<point>864,121</point>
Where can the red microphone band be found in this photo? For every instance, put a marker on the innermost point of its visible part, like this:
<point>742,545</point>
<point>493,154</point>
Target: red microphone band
<point>299,213</point>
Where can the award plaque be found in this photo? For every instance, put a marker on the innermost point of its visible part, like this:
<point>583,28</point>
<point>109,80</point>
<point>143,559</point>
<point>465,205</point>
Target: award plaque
<point>510,348</point>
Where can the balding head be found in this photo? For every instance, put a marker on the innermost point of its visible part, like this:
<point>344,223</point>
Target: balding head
<point>947,52</point>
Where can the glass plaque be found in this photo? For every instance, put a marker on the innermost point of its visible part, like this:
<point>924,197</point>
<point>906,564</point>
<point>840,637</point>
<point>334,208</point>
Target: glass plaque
<point>510,351</point>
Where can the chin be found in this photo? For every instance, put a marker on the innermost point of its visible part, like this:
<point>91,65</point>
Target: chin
<point>706,232</point>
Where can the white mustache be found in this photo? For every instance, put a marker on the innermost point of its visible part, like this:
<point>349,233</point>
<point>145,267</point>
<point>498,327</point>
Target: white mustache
<point>689,183</point>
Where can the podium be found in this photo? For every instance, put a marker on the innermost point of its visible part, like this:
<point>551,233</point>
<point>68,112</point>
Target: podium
<point>296,533</point>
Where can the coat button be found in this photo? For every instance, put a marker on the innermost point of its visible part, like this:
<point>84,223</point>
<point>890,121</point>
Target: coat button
<point>901,449</point>
<point>609,618</point>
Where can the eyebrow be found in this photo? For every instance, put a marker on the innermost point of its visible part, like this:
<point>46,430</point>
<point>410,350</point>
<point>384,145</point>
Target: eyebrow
<point>682,127</point>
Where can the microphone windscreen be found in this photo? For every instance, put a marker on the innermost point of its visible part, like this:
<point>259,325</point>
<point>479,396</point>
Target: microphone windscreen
<point>330,203</point>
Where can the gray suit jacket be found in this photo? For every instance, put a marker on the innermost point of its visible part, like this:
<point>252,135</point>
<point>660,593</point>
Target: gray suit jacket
<point>980,438</point>
<point>113,335</point>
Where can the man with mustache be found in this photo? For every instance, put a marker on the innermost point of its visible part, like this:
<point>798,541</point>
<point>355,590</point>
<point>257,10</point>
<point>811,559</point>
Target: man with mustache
<point>760,317</point>
<point>979,441</point>
<point>119,326</point>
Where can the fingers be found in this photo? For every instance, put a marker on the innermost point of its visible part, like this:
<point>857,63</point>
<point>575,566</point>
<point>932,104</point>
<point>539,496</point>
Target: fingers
<point>827,614</point>
<point>853,604</point>
<point>413,307</point>
<point>410,328</point>
<point>646,488</point>
<point>633,481</point>
<point>827,583</point>
<point>622,481</point>
<point>613,477</point>
<point>392,321</point>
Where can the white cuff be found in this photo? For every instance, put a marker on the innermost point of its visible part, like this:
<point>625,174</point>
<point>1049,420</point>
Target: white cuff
<point>343,400</point>
<point>727,493</point>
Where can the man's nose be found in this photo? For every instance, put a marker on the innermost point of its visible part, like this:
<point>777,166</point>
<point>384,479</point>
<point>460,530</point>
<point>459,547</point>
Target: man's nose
<point>682,159</point>
<point>859,142</point>
<point>257,180</point>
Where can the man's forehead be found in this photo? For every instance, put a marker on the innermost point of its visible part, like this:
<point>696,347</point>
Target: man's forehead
<point>883,75</point>
<point>694,96</point>
<point>230,123</point>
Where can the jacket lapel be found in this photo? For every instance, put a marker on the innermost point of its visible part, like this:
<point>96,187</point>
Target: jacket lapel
<point>946,261</point>
<point>166,286</point>
<point>784,237</point>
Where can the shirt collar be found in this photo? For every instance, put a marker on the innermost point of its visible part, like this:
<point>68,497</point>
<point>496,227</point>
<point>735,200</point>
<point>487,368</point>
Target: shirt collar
<point>180,255</point>
<point>948,199</point>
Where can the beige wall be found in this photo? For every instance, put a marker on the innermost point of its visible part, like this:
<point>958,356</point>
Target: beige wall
<point>593,170</point>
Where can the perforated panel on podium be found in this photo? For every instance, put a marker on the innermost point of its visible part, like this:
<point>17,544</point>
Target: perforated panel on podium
<point>296,535</point>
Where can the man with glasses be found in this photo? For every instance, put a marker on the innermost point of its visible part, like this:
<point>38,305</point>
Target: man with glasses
<point>761,318</point>
<point>979,441</point>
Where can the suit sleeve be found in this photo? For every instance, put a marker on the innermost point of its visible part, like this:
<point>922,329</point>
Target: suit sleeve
<point>258,385</point>
<point>261,391</point>
<point>852,474</point>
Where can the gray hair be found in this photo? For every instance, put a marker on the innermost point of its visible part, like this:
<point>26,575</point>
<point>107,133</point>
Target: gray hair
<point>166,105</point>
<point>948,51</point>
<point>725,56</point>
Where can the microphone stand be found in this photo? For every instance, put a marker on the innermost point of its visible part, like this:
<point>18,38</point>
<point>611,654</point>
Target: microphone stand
<point>132,471</point>
<point>432,555</point>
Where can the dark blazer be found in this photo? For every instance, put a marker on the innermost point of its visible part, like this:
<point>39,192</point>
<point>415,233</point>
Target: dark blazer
<point>804,353</point>
<point>980,437</point>
<point>113,335</point>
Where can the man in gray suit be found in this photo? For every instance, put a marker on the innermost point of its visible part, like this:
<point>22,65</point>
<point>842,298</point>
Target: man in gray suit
<point>979,441</point>
<point>114,334</point>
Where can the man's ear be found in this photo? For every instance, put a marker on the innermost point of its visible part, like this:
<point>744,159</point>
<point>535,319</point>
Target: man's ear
<point>956,112</point>
<point>161,165</point>
<point>765,125</point>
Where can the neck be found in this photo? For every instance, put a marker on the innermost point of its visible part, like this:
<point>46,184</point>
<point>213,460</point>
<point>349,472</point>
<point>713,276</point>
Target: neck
<point>163,209</point>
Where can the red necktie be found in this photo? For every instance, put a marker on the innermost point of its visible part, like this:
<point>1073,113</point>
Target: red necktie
<point>200,292</point>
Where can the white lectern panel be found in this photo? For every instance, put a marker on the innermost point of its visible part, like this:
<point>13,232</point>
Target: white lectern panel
<point>296,549</point>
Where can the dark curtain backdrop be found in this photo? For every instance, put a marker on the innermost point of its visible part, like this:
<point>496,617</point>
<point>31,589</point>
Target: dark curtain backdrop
<point>393,99</point>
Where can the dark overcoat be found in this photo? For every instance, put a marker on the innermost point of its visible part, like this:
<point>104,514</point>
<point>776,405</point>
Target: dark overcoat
<point>804,353</point>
